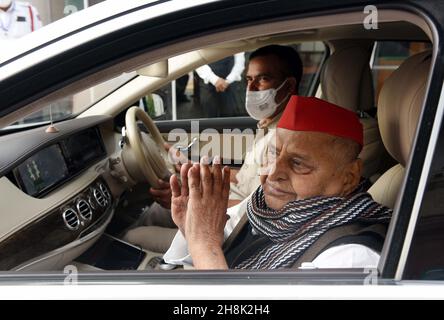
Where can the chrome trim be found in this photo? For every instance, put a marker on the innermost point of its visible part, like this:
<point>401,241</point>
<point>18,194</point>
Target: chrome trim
<point>68,246</point>
<point>105,191</point>
<point>422,181</point>
<point>85,216</point>
<point>385,67</point>
<point>87,229</point>
<point>124,242</point>
<point>93,205</point>
<point>372,56</point>
<point>123,140</point>
<point>185,148</point>
<point>99,197</point>
<point>68,223</point>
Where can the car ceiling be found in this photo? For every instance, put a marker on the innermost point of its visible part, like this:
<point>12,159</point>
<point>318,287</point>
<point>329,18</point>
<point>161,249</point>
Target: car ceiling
<point>184,63</point>
<point>386,31</point>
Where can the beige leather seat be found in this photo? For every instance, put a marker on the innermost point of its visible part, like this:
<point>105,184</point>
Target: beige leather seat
<point>399,107</point>
<point>154,231</point>
<point>346,80</point>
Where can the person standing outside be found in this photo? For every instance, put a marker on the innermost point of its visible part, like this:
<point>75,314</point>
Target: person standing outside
<point>17,19</point>
<point>218,86</point>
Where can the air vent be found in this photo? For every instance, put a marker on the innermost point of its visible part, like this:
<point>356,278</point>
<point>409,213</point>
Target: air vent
<point>105,191</point>
<point>84,209</point>
<point>71,218</point>
<point>91,202</point>
<point>100,198</point>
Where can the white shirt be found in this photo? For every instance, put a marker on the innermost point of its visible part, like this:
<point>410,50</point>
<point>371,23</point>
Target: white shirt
<point>343,256</point>
<point>20,19</point>
<point>207,75</point>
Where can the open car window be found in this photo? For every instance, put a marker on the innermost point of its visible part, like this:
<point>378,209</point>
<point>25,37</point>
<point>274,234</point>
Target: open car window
<point>425,261</point>
<point>81,183</point>
<point>387,56</point>
<point>193,96</point>
<point>72,105</point>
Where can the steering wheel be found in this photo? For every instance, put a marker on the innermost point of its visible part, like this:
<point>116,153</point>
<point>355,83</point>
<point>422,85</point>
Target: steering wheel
<point>145,156</point>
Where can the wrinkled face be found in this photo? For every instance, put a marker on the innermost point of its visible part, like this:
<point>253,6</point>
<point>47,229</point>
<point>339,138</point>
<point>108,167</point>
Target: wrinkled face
<point>306,164</point>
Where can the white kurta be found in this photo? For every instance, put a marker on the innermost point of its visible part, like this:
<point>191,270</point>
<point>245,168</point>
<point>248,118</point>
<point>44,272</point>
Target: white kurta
<point>343,256</point>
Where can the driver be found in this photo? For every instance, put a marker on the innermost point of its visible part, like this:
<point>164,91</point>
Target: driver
<point>273,75</point>
<point>310,205</point>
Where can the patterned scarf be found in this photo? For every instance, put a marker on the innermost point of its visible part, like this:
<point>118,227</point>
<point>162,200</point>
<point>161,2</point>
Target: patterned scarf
<point>300,223</point>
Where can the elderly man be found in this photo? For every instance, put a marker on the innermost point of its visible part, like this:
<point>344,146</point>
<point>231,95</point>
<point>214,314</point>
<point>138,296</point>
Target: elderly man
<point>273,75</point>
<point>311,189</point>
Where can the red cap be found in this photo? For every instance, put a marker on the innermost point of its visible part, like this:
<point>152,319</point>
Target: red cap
<point>313,114</point>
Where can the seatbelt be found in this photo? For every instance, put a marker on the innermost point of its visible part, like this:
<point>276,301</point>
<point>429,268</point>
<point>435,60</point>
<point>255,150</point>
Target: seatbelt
<point>236,231</point>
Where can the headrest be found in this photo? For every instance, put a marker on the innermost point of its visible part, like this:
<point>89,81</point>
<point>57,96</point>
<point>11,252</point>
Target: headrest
<point>346,78</point>
<point>400,103</point>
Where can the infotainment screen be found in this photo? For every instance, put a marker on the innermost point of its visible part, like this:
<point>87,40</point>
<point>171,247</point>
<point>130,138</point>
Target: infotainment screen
<point>83,148</point>
<point>42,170</point>
<point>50,167</point>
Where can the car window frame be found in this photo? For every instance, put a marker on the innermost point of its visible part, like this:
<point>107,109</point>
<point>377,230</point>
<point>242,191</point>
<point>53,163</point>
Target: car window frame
<point>401,229</point>
<point>430,123</point>
<point>428,103</point>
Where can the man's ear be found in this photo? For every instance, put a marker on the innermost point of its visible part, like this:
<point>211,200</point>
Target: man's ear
<point>352,176</point>
<point>292,85</point>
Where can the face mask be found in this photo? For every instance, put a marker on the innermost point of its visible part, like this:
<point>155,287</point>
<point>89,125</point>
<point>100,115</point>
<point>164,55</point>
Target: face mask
<point>5,3</point>
<point>261,104</point>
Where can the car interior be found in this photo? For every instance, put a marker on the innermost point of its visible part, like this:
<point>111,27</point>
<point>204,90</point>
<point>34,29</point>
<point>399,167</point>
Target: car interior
<point>73,194</point>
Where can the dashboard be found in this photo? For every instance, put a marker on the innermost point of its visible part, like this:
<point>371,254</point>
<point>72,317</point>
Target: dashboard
<point>57,186</point>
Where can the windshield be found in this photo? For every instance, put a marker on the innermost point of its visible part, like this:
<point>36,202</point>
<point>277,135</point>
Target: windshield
<point>43,13</point>
<point>74,104</point>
